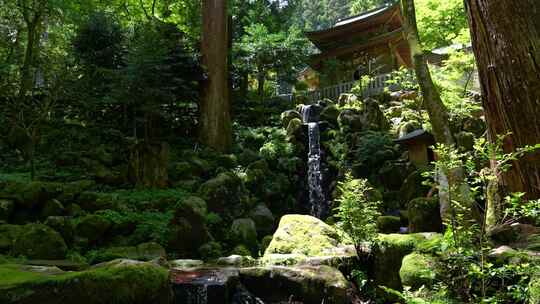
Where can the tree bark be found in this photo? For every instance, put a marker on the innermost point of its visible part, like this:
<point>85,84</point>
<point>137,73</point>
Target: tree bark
<point>506,42</point>
<point>438,114</point>
<point>216,129</point>
<point>451,184</point>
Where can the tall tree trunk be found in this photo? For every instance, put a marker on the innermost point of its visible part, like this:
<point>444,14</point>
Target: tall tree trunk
<point>506,43</point>
<point>216,131</point>
<point>451,184</point>
<point>27,75</point>
<point>438,114</point>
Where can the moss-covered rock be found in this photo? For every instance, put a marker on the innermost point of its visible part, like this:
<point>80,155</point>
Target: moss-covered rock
<point>244,232</point>
<point>31,194</point>
<point>330,114</point>
<point>51,208</point>
<point>350,120</point>
<point>424,215</point>
<point>388,224</point>
<point>93,228</point>
<point>304,234</point>
<point>263,218</point>
<point>8,235</point>
<point>189,231</point>
<point>211,250</point>
<point>224,194</point>
<point>417,270</point>
<point>120,281</point>
<point>294,128</point>
<point>38,241</point>
<point>289,115</point>
<point>389,253</point>
<point>308,284</point>
<point>63,225</point>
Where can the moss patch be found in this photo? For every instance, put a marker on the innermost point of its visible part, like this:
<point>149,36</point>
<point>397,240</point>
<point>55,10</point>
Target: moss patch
<point>417,270</point>
<point>303,234</point>
<point>120,281</point>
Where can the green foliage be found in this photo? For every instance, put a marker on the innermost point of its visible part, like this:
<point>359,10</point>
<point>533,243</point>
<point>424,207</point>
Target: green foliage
<point>264,53</point>
<point>441,23</point>
<point>150,225</point>
<point>360,6</point>
<point>357,214</point>
<point>211,250</point>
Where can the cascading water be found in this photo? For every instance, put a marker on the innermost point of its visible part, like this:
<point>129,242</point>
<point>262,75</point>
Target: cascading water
<point>316,194</point>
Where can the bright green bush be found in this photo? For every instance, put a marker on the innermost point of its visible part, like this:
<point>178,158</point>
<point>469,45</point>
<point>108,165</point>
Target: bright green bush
<point>357,214</point>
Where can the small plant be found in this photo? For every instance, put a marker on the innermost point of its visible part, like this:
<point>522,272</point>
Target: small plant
<point>356,212</point>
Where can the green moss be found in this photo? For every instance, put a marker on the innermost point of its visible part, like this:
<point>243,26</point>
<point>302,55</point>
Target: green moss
<point>12,274</point>
<point>388,224</point>
<point>117,282</point>
<point>38,241</point>
<point>417,270</point>
<point>303,234</point>
<point>389,253</point>
<point>534,290</point>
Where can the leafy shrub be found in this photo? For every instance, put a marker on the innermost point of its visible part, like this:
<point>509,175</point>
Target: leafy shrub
<point>357,214</point>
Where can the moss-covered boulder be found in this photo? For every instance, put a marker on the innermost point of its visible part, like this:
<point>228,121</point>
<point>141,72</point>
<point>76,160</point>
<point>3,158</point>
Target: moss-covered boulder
<point>294,128</point>
<point>289,115</point>
<point>32,194</point>
<point>119,281</point>
<point>372,117</point>
<point>210,251</point>
<point>307,284</point>
<point>93,228</point>
<point>38,241</point>
<point>189,231</point>
<point>244,232</point>
<point>350,120</point>
<point>388,224</point>
<point>388,256</point>
<point>51,208</point>
<point>417,270</point>
<point>63,225</point>
<point>424,215</point>
<point>304,234</point>
<point>263,218</point>
<point>224,194</point>
<point>8,235</point>
<point>330,114</point>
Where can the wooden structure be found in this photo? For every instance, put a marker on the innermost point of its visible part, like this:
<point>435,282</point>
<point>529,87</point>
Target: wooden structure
<point>418,144</point>
<point>371,43</point>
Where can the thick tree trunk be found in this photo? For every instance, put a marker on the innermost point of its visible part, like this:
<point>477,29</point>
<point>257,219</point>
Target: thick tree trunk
<point>506,43</point>
<point>215,104</point>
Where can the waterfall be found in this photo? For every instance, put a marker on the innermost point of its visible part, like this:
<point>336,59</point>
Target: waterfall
<point>316,194</point>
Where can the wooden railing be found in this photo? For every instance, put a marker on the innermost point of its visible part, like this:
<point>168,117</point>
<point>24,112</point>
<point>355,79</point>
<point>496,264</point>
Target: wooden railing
<point>374,87</point>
